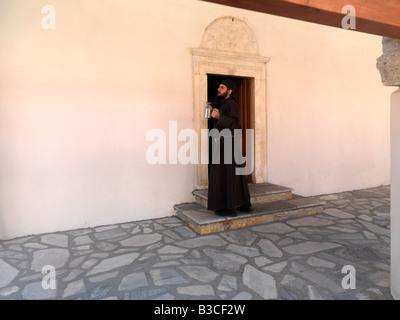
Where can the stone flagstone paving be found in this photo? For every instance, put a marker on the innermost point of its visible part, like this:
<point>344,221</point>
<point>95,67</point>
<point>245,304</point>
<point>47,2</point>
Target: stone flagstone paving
<point>300,258</point>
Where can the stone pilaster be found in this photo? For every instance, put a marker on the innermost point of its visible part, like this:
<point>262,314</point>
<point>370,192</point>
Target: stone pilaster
<point>389,66</point>
<point>395,195</point>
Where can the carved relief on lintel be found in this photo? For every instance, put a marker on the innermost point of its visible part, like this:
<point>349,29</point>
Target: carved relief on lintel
<point>229,34</point>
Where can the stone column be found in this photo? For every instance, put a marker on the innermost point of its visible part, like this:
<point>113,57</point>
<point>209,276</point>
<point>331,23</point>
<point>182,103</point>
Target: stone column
<point>389,66</point>
<point>395,195</point>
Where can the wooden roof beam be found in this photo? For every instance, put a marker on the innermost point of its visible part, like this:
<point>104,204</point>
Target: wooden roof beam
<point>372,16</point>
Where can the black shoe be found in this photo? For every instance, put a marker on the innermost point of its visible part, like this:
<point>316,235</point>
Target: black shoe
<point>220,211</point>
<point>244,208</point>
<point>226,213</point>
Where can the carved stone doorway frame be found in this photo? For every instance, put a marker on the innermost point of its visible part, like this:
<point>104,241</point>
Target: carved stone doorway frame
<point>230,59</point>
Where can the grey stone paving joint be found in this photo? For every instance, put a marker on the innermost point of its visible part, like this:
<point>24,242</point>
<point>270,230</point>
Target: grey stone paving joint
<point>163,259</point>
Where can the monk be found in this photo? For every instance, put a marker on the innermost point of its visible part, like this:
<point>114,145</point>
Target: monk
<point>227,191</point>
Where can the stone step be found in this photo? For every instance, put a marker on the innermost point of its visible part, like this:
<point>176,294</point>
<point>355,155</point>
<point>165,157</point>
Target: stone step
<point>259,193</point>
<point>204,221</point>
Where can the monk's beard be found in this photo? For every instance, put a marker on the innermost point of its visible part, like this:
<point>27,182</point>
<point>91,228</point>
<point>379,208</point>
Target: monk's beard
<point>218,100</point>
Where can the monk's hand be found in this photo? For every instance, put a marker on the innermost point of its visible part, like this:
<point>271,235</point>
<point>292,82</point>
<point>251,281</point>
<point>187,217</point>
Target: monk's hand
<point>215,114</point>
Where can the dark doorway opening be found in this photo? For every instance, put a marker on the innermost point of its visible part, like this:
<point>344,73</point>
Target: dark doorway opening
<point>244,96</point>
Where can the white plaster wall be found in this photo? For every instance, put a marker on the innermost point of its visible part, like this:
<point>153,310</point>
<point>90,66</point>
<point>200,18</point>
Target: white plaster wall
<point>77,102</point>
<point>395,196</point>
<point>328,113</point>
<point>75,106</point>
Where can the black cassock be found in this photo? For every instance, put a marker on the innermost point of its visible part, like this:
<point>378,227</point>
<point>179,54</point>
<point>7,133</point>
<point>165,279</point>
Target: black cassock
<point>226,189</point>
